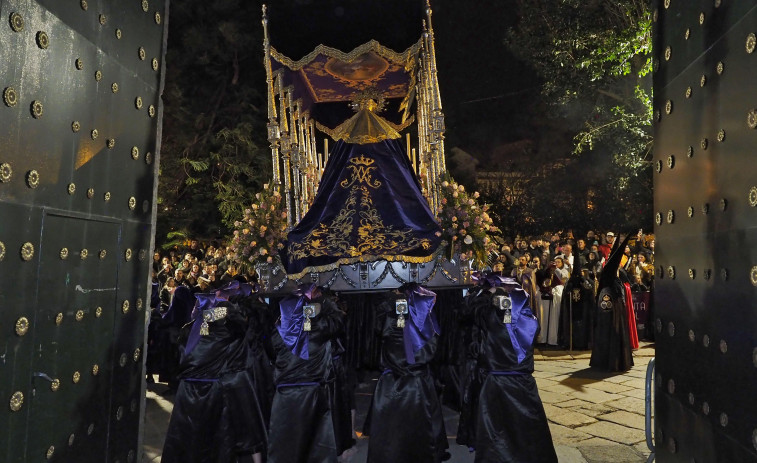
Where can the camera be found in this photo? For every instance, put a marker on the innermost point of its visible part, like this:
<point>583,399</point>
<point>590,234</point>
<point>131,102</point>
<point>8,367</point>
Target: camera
<point>502,302</point>
<point>311,310</point>
<point>400,306</point>
<point>506,304</point>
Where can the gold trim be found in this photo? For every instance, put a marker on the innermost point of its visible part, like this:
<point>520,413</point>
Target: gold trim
<point>79,315</point>
<point>37,109</point>
<point>98,312</point>
<point>50,452</point>
<point>138,102</point>
<point>83,254</point>
<point>132,203</point>
<point>367,259</point>
<point>103,19</point>
<point>125,307</point>
<point>55,385</point>
<point>76,377</point>
<point>137,353</point>
<point>134,153</point>
<point>127,255</point>
<point>102,253</point>
<point>59,318</point>
<point>27,251</point>
<point>145,6</point>
<point>6,172</point>
<point>43,41</point>
<point>141,53</point>
<point>348,57</point>
<point>98,75</point>
<point>140,304</point>
<point>95,369</point>
<point>22,326</point>
<point>17,401</point>
<point>335,136</point>
<point>32,178</point>
<point>2,249</point>
<point>155,64</point>
<point>10,97</point>
<point>118,34</point>
<point>17,22</point>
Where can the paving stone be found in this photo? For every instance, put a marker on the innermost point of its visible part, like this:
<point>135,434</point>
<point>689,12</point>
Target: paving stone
<point>566,436</point>
<point>610,453</point>
<point>609,387</point>
<point>566,454</point>
<point>566,417</point>
<point>595,410</point>
<point>549,397</point>
<point>624,418</point>
<point>637,392</point>
<point>629,404</point>
<point>613,432</point>
<point>642,449</point>
<point>562,388</point>
<point>543,383</point>
<point>594,395</point>
<point>620,379</point>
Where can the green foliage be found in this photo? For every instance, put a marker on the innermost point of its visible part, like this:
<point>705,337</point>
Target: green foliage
<point>213,153</point>
<point>594,61</point>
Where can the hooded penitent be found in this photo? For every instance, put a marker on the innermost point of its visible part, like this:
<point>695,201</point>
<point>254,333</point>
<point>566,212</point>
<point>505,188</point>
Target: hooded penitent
<point>612,343</point>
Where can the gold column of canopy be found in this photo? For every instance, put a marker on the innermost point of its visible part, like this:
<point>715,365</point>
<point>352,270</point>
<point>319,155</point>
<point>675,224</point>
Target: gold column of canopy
<point>294,156</point>
<point>286,148</point>
<point>437,116</point>
<point>274,133</point>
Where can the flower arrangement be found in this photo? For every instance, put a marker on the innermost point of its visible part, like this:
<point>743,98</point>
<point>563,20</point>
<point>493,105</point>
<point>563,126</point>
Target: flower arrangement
<point>465,224</point>
<point>263,229</point>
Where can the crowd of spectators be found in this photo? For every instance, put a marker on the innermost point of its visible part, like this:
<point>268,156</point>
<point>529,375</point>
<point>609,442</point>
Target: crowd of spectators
<point>566,250</point>
<point>199,268</point>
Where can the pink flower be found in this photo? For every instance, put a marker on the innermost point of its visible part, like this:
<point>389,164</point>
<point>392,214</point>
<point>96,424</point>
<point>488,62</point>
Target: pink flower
<point>444,200</point>
<point>454,194</point>
<point>438,233</point>
<point>454,219</point>
<point>466,224</point>
<point>462,232</point>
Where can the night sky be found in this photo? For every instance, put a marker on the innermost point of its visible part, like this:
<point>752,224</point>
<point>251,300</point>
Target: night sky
<point>487,95</point>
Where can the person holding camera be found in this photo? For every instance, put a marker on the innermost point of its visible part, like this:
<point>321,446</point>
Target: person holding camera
<point>301,428</point>
<point>405,421</point>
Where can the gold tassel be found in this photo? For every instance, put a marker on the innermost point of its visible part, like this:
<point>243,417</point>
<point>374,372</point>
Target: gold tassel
<point>401,321</point>
<point>306,326</point>
<point>204,328</point>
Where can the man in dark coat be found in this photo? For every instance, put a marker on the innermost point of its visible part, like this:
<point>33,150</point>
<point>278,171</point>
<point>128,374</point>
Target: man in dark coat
<point>216,416</point>
<point>405,422</point>
<point>302,429</point>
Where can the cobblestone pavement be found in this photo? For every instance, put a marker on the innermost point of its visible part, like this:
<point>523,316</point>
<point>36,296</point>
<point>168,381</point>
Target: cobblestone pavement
<point>594,417</point>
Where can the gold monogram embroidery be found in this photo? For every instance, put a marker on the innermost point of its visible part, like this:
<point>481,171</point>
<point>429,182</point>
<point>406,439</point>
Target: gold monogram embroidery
<point>361,172</point>
<point>374,239</point>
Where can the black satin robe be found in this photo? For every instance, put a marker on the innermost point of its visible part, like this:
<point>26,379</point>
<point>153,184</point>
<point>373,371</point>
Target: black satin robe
<point>260,358</point>
<point>302,429</point>
<point>510,423</point>
<point>578,293</point>
<point>612,343</point>
<point>216,416</point>
<point>405,422</point>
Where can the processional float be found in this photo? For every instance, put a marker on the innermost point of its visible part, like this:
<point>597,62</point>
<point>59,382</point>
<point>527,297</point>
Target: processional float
<point>361,207</point>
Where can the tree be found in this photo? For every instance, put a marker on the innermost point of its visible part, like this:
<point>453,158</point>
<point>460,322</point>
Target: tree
<point>214,151</point>
<point>593,59</point>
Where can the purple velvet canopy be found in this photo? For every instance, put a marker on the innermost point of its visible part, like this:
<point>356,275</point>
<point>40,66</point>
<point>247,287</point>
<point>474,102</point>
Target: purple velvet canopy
<point>369,207</point>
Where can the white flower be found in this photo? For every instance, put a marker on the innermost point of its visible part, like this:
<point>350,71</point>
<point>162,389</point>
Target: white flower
<point>468,239</point>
